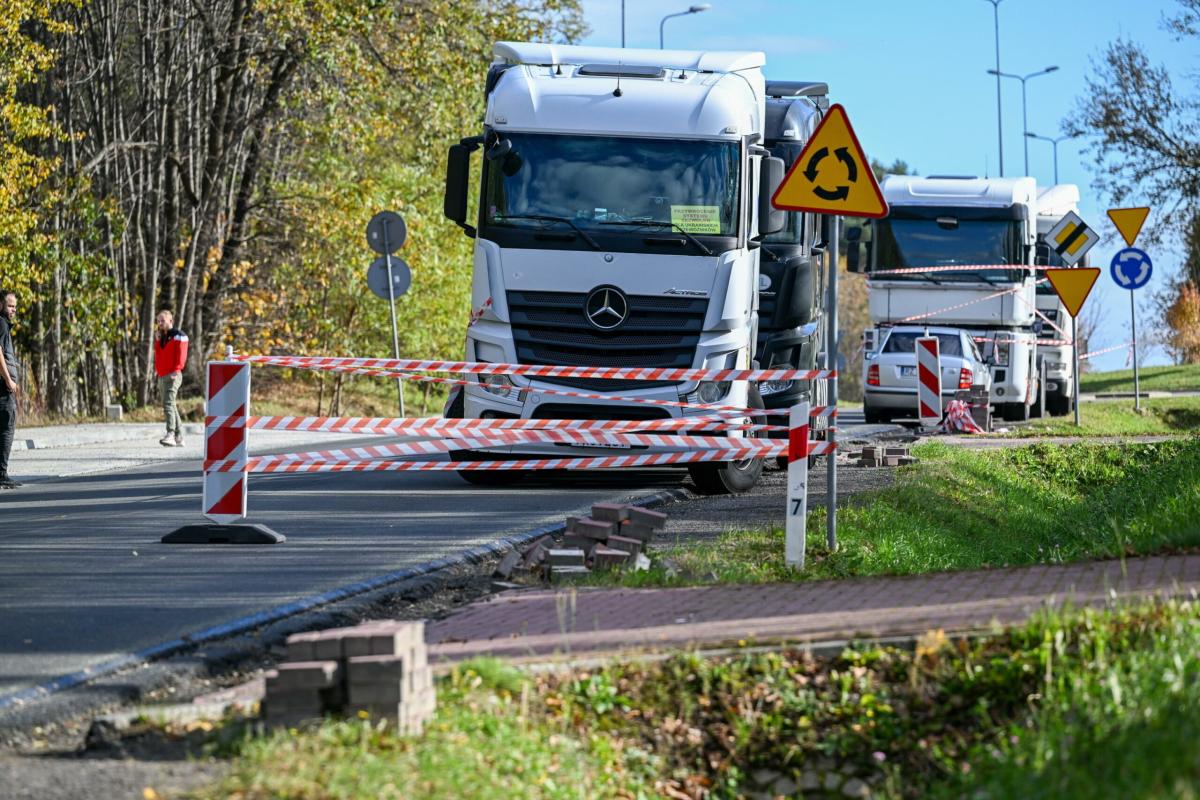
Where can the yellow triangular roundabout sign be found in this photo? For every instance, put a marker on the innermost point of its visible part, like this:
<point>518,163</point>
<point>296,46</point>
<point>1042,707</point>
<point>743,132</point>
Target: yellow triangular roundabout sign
<point>1073,286</point>
<point>832,175</point>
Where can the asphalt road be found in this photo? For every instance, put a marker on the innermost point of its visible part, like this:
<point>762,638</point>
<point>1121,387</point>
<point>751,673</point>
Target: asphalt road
<point>84,578</point>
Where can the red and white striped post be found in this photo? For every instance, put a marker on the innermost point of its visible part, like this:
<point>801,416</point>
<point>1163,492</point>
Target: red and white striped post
<point>929,381</point>
<point>227,392</point>
<point>227,406</point>
<point>797,486</point>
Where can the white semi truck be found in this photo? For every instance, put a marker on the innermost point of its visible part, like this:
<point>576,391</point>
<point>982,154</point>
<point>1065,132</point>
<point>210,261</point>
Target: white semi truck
<point>960,222</point>
<point>1054,202</point>
<point>623,203</point>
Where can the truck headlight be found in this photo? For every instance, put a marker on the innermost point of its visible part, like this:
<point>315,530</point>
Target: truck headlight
<point>499,385</point>
<point>712,391</point>
<point>774,387</point>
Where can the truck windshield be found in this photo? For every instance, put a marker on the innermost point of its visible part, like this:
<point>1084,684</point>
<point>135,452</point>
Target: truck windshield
<point>903,243</point>
<point>592,180</point>
<point>948,344</point>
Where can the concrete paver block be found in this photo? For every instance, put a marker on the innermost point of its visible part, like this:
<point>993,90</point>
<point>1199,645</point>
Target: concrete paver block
<point>608,557</point>
<point>610,512</point>
<point>565,557</point>
<point>594,528</point>
<point>303,675</point>
<point>631,546</point>
<point>644,516</point>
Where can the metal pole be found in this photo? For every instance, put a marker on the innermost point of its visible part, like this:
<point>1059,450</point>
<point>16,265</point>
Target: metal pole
<point>1137,395</point>
<point>622,23</point>
<point>1075,355</point>
<point>1055,143</point>
<point>1025,128</point>
<point>999,121</point>
<point>387,249</point>
<point>831,348</point>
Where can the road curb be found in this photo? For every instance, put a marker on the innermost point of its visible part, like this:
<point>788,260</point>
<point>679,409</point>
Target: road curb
<point>248,623</point>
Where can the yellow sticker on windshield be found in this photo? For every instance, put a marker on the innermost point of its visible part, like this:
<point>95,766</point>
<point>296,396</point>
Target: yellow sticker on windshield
<point>697,219</point>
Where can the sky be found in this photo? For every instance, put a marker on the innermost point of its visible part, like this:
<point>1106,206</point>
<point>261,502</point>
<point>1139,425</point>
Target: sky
<point>912,75</point>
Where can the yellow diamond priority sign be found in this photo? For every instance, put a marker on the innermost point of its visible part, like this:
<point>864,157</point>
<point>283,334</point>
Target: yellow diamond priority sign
<point>1073,286</point>
<point>832,174</point>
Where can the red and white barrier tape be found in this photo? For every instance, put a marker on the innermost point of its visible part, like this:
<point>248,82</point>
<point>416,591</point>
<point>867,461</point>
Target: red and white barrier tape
<point>478,313</point>
<point>958,418</point>
<point>541,371</point>
<point>435,427</point>
<point>1106,350</point>
<point>606,462</point>
<point>1042,342</point>
<point>1045,319</point>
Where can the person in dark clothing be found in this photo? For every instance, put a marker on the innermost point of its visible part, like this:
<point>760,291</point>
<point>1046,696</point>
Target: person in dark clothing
<point>170,354</point>
<point>9,376</point>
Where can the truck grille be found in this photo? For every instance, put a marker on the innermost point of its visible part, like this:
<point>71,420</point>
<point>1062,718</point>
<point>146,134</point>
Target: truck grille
<point>550,328</point>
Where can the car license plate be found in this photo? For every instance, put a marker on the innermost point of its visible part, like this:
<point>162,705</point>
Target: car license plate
<point>907,372</point>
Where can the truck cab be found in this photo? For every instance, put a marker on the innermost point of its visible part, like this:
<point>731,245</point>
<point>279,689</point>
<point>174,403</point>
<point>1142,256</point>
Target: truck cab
<point>976,238</point>
<point>623,199</point>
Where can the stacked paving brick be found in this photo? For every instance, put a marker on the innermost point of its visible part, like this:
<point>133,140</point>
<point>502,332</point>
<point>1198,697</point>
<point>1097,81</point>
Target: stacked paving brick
<point>614,536</point>
<point>875,456</point>
<point>379,668</point>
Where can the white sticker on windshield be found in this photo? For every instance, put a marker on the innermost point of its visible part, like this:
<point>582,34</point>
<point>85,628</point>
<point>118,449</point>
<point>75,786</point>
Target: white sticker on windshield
<point>697,219</point>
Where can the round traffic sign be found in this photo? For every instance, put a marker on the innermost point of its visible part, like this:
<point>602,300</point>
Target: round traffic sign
<point>377,276</point>
<point>386,232</point>
<point>1131,268</point>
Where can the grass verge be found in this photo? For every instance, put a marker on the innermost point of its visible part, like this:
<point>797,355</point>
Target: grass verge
<point>1090,704</point>
<point>1164,379</point>
<point>968,509</point>
<point>1159,415</point>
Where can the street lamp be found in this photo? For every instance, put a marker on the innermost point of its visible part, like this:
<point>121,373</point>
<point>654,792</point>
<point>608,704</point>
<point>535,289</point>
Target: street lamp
<point>1024,111</point>
<point>999,124</point>
<point>696,9</point>
<point>1054,142</point>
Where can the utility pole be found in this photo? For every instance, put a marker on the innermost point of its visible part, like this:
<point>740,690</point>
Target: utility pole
<point>999,121</point>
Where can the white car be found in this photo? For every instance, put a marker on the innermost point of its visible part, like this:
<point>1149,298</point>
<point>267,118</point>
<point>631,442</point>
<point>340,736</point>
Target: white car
<point>890,371</point>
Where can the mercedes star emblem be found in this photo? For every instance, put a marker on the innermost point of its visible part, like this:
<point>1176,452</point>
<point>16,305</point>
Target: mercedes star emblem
<point>606,308</point>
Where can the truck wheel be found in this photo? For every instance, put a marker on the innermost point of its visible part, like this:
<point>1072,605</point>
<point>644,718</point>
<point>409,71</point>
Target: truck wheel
<point>1059,404</point>
<point>1014,412</point>
<point>729,477</point>
<point>1039,405</point>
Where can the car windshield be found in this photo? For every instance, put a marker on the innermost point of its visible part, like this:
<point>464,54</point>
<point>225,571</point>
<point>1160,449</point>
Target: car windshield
<point>592,180</point>
<point>901,243</point>
<point>948,343</point>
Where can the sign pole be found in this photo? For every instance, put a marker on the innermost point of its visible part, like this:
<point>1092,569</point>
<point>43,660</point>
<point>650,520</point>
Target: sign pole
<point>387,254</point>
<point>1137,395</point>
<point>1075,372</point>
<point>831,349</point>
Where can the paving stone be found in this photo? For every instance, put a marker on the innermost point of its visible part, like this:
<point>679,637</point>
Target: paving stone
<point>610,512</point>
<point>644,516</point>
<point>607,557</point>
<point>895,451</point>
<point>368,694</point>
<point>584,543</point>
<point>292,675</point>
<point>565,557</point>
<point>328,645</point>
<point>856,788</point>
<point>300,646</point>
<point>401,638</point>
<point>507,564</point>
<point>559,574</point>
<point>592,528</point>
<point>366,670</point>
<point>784,786</point>
<point>810,779</point>
<point>891,461</point>
<point>634,530</point>
<point>631,546</point>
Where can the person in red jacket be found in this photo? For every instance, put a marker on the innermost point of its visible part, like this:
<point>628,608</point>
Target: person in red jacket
<point>170,354</point>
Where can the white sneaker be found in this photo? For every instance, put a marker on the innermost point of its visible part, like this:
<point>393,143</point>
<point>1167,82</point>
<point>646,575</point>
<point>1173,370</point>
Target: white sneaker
<point>179,441</point>
<point>167,441</point>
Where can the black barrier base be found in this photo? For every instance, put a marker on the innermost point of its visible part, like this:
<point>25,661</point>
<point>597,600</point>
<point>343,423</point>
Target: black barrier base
<point>223,534</point>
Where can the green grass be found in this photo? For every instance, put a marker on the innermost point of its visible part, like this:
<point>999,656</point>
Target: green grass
<point>967,509</point>
<point>1163,379</point>
<point>1091,704</point>
<point>1160,415</point>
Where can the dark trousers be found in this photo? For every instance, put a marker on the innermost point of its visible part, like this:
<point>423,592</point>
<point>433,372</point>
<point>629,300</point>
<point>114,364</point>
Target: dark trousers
<point>8,424</point>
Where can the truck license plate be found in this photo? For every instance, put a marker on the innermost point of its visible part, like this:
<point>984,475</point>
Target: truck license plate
<point>601,446</point>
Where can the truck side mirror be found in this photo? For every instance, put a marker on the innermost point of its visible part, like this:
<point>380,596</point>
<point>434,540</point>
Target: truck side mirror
<point>854,261</point>
<point>458,176</point>
<point>770,219</point>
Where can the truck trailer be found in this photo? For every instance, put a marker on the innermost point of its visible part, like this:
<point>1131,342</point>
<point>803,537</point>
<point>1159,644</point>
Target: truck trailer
<point>623,211</point>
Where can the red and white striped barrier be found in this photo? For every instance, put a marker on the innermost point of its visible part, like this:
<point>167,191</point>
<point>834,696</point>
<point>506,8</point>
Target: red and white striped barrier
<point>335,363</point>
<point>929,381</point>
<point>799,448</point>
<point>228,401</point>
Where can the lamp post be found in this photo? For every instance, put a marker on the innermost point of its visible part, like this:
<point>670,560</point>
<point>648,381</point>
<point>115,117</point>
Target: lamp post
<point>696,9</point>
<point>1054,142</point>
<point>999,124</point>
<point>1024,108</point>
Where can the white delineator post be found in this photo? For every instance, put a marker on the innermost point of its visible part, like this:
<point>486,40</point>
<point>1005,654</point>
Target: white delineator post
<point>797,485</point>
<point>227,390</point>
<point>929,381</point>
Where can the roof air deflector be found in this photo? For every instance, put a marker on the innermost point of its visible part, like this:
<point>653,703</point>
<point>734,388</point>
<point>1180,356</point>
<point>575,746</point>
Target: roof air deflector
<point>797,89</point>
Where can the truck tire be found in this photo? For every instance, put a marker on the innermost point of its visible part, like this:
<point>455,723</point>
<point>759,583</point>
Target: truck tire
<point>1014,412</point>
<point>1059,403</point>
<point>729,477</point>
<point>1039,405</point>
<point>477,477</point>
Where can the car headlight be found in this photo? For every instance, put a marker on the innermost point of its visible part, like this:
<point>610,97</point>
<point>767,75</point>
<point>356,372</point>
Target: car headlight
<point>712,391</point>
<point>499,385</point>
<point>774,387</point>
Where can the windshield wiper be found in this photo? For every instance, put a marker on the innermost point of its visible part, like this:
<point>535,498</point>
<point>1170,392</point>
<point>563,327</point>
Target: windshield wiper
<point>548,218</point>
<point>658,223</point>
